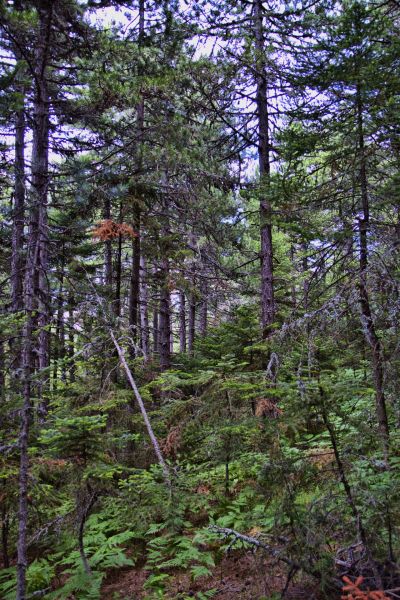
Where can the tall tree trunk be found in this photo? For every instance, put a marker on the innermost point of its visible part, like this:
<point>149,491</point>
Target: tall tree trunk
<point>59,338</point>
<point>116,300</point>
<point>266,255</point>
<point>71,338</point>
<point>135,320</point>
<point>2,371</point>
<point>144,310</point>
<point>182,322</point>
<point>18,217</point>
<point>22,558</point>
<point>17,262</point>
<point>35,275</point>
<point>40,183</point>
<point>203,307</point>
<point>191,322</point>
<point>118,275</point>
<point>368,324</point>
<point>155,325</point>
<point>108,278</point>
<point>165,317</point>
<point>134,293</point>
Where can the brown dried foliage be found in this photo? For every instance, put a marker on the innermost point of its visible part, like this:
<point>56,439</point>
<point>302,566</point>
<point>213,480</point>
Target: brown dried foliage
<point>172,442</point>
<point>267,408</point>
<point>353,591</point>
<point>108,230</point>
<point>203,489</point>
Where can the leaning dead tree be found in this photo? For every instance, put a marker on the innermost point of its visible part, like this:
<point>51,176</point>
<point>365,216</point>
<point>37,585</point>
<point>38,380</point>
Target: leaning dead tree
<point>139,399</point>
<point>122,358</point>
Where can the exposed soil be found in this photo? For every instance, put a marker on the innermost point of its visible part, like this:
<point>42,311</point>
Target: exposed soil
<point>239,576</point>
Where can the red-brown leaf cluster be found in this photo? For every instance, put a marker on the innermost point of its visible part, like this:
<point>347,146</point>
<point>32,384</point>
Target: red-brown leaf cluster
<point>172,442</point>
<point>353,591</point>
<point>108,230</point>
<point>267,408</point>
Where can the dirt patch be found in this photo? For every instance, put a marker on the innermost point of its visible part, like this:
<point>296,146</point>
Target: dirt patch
<point>124,584</point>
<point>238,577</point>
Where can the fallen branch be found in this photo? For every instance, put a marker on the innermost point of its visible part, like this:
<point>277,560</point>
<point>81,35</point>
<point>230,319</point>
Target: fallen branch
<point>227,532</point>
<point>56,522</point>
<point>275,552</point>
<point>39,593</point>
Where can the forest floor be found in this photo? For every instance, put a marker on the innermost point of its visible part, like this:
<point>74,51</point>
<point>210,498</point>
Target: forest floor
<point>238,576</point>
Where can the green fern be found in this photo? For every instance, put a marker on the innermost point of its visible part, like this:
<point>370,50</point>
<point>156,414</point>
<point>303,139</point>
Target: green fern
<point>199,571</point>
<point>80,585</point>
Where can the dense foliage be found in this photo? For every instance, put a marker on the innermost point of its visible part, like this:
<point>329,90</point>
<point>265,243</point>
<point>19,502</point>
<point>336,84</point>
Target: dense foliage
<point>199,303</point>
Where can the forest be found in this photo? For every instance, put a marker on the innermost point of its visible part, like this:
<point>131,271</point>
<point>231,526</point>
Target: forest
<point>200,299</point>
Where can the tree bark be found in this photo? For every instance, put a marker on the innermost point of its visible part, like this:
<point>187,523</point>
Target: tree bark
<point>144,310</point>
<point>368,324</point>
<point>203,307</point>
<point>165,317</point>
<point>191,323</point>
<point>17,260</point>
<point>134,293</point>
<point>108,278</point>
<point>71,338</point>
<point>182,322</point>
<point>36,289</point>
<point>59,338</point>
<point>40,182</point>
<point>266,253</point>
<point>84,516</point>
<point>118,275</point>
<point>135,314</point>
<point>2,371</point>
<point>155,326</point>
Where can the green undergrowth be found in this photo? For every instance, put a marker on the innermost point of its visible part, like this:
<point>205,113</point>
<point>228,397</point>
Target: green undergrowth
<point>273,476</point>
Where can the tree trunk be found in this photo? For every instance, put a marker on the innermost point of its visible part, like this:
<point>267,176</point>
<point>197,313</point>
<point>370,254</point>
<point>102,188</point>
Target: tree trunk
<point>17,262</point>
<point>155,327</point>
<point>36,288</point>
<point>40,182</point>
<point>367,320</point>
<point>22,558</point>
<point>2,371</point>
<point>165,318</point>
<point>108,278</point>
<point>144,310</point>
<point>71,338</point>
<point>118,275</point>
<point>182,322</point>
<point>58,353</point>
<point>266,253</point>
<point>134,293</point>
<point>18,217</point>
<point>191,323</point>
<point>135,313</point>
<point>203,307</point>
